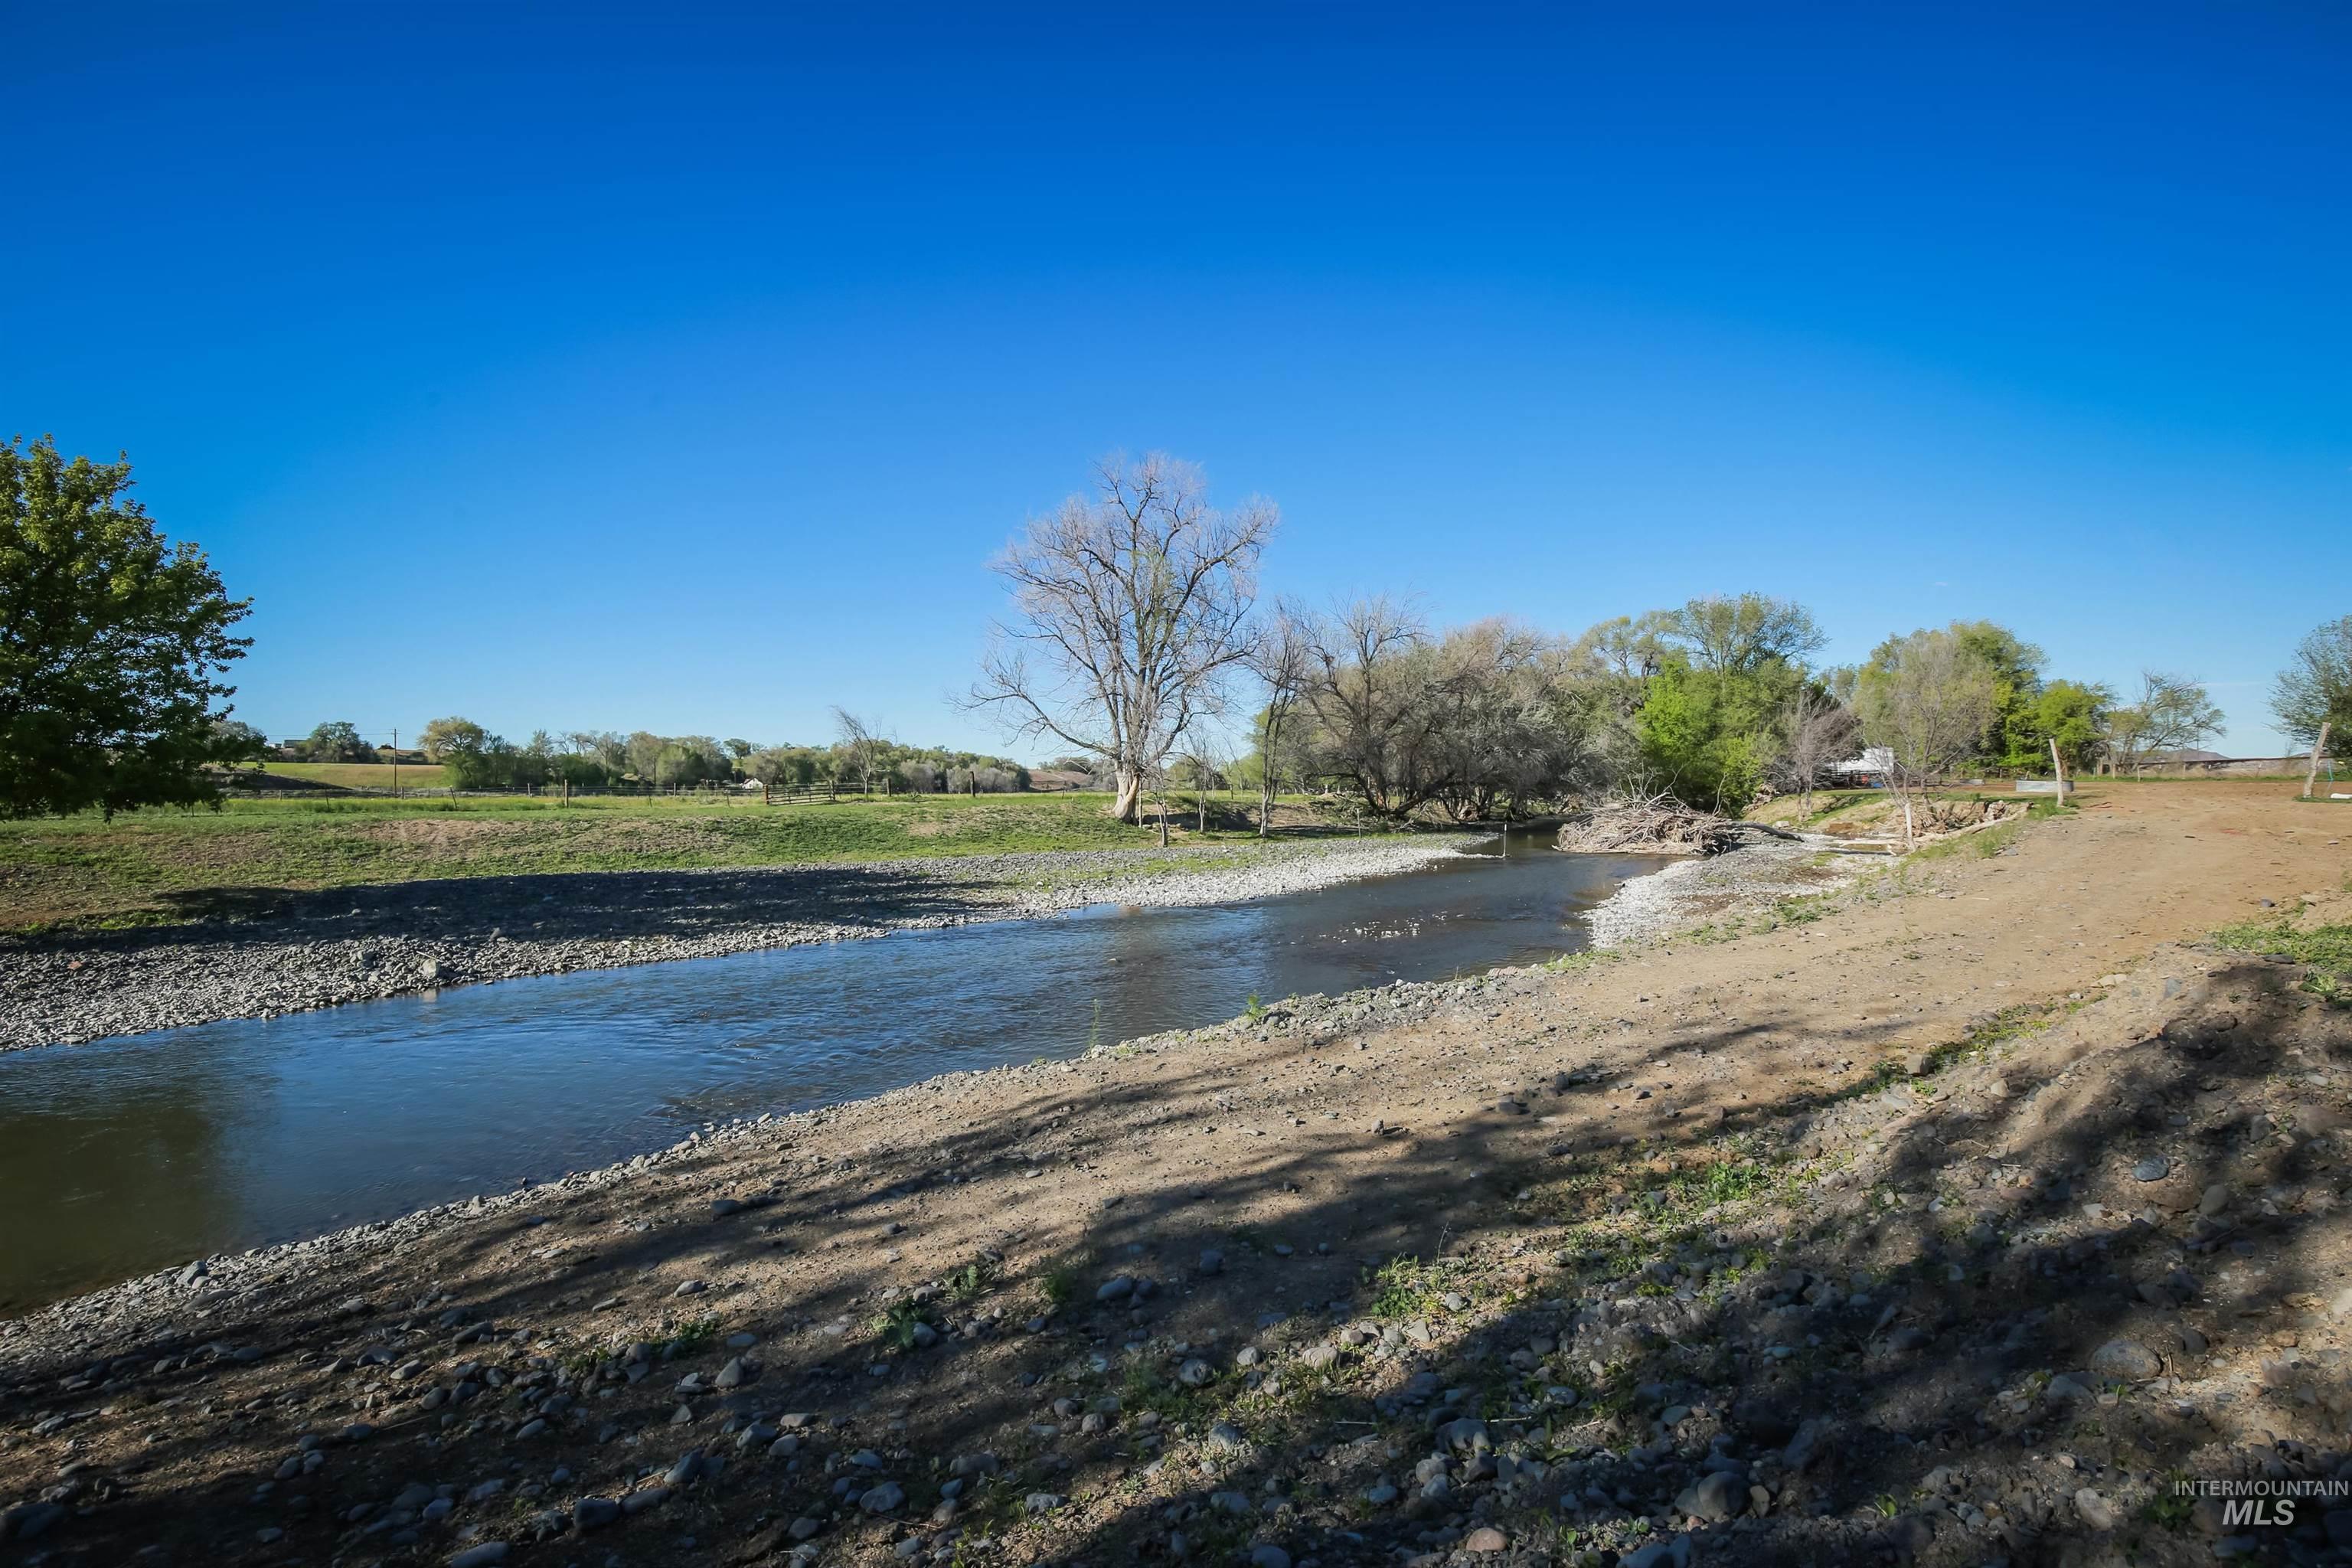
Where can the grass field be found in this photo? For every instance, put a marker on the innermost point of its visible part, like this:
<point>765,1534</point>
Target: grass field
<point>160,864</point>
<point>365,776</point>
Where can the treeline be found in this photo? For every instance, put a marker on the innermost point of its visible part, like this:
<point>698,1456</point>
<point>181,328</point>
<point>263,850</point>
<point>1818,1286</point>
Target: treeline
<point>1136,625</point>
<point>1713,702</point>
<point>477,759</point>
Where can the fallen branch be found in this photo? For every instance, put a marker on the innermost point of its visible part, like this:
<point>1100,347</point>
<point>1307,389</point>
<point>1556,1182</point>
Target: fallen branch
<point>1658,825</point>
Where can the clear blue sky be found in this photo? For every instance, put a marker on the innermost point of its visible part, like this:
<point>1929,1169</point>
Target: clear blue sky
<point>680,367</point>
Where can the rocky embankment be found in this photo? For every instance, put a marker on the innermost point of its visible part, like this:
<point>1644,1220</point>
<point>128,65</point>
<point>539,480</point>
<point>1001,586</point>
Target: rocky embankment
<point>313,950</point>
<point>1753,880</point>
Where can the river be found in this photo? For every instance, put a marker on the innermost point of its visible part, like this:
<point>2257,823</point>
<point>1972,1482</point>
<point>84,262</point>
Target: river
<point>127,1155</point>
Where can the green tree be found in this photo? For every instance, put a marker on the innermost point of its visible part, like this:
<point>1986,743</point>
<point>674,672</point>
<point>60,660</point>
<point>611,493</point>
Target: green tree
<point>2317,689</point>
<point>239,740</point>
<point>2012,738</point>
<point>337,740</point>
<point>1927,698</point>
<point>1725,634</point>
<point>111,642</point>
<point>2074,715</point>
<point>1706,735</point>
<point>445,738</point>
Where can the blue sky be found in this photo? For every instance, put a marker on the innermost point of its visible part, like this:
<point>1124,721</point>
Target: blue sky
<point>680,367</point>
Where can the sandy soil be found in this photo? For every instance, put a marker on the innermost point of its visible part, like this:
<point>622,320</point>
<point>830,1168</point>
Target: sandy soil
<point>1853,1212</point>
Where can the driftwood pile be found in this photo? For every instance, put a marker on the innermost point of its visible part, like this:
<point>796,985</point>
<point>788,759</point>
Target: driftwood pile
<point>1659,826</point>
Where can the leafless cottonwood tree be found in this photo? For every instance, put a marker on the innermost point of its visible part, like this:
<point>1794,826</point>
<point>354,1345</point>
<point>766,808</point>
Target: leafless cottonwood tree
<point>1208,761</point>
<point>857,737</point>
<point>1925,698</point>
<point>1136,604</point>
<point>1281,657</point>
<point>1367,689</point>
<point>1815,732</point>
<point>2173,713</point>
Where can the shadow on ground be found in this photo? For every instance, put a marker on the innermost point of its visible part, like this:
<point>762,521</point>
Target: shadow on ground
<point>1891,1312</point>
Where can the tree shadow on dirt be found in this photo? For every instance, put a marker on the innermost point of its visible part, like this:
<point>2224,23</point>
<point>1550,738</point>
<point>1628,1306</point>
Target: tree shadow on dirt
<point>1893,1321</point>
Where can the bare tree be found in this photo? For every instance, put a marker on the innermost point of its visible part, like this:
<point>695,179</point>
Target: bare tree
<point>1367,689</point>
<point>1281,657</point>
<point>859,738</point>
<point>1815,731</point>
<point>1925,698</point>
<point>1138,603</point>
<point>2172,714</point>
<point>1207,761</point>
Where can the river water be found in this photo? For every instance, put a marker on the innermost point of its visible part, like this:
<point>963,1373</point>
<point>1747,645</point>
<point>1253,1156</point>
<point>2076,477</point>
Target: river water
<point>127,1155</point>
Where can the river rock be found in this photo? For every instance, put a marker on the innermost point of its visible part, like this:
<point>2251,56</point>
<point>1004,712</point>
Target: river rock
<point>2125,1361</point>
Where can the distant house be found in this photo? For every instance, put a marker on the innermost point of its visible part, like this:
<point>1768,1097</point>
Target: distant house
<point>1873,768</point>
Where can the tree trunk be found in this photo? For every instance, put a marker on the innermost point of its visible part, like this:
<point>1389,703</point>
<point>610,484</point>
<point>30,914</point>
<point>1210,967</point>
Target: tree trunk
<point>1127,805</point>
<point>1264,806</point>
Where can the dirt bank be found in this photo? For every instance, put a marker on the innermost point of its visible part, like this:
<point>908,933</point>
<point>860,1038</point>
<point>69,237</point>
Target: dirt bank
<point>293,951</point>
<point>1947,1224</point>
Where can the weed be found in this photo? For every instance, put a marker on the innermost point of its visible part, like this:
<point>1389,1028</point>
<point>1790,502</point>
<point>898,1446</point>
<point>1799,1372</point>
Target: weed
<point>1407,1288</point>
<point>1803,909</point>
<point>1147,1386</point>
<point>1253,1009</point>
<point>2172,1506</point>
<point>1094,1031</point>
<point>897,1324</point>
<point>1060,1286</point>
<point>699,1334</point>
<point>2326,950</point>
<point>972,1281</point>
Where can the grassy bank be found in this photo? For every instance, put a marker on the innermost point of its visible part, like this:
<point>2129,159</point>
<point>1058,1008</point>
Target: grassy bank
<point>162,864</point>
<point>362,775</point>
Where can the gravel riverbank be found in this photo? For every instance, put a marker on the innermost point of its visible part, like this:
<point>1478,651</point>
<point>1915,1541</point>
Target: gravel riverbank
<point>1695,892</point>
<point>303,951</point>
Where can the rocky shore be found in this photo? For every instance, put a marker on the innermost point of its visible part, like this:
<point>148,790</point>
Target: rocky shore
<point>1752,880</point>
<point>303,950</point>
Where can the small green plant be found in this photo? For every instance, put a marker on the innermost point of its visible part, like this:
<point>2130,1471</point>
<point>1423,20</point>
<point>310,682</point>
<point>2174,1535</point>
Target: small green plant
<point>699,1334</point>
<point>2172,1506</point>
<point>1094,1032</point>
<point>1406,1287</point>
<point>972,1281</point>
<point>1885,1504</point>
<point>2326,950</point>
<point>1059,1285</point>
<point>897,1324</point>
<point>1253,1009</point>
<point>1802,909</point>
